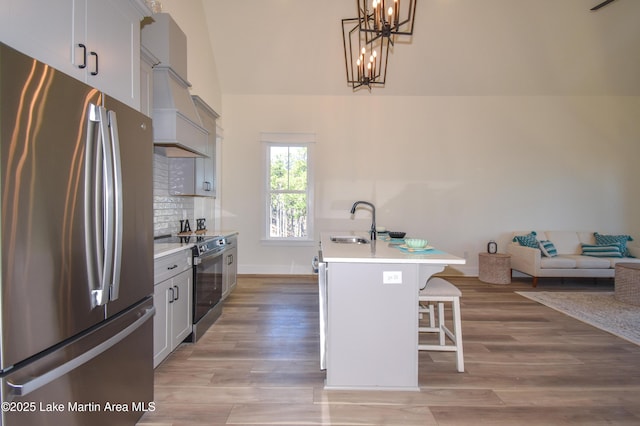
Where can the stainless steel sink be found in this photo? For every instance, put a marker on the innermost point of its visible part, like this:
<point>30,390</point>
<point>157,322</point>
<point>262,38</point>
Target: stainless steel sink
<point>349,239</point>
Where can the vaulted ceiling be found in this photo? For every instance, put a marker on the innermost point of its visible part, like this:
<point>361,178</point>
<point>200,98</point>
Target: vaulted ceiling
<point>459,48</point>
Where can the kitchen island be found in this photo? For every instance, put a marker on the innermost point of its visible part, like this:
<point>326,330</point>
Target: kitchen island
<point>369,310</point>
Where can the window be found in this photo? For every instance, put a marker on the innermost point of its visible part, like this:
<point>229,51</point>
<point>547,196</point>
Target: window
<point>289,195</point>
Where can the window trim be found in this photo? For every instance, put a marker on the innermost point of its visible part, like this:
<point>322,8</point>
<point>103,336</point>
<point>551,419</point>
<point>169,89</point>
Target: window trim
<point>271,139</point>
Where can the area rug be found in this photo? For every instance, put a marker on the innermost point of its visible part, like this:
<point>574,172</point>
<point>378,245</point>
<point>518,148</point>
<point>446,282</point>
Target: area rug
<point>599,309</point>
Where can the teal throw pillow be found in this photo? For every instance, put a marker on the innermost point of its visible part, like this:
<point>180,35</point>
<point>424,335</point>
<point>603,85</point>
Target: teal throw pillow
<point>528,240</point>
<point>615,239</point>
<point>610,250</point>
<point>548,249</point>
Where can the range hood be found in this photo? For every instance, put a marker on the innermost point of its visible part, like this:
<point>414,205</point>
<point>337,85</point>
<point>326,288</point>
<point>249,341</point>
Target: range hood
<point>177,129</point>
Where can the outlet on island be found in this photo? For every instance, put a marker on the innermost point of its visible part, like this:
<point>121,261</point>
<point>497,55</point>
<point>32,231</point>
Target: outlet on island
<point>392,277</point>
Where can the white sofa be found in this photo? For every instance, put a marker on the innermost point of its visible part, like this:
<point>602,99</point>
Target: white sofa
<point>570,262</point>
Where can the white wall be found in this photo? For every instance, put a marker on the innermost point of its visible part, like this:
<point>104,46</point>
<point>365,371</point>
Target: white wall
<point>496,117</point>
<point>455,170</point>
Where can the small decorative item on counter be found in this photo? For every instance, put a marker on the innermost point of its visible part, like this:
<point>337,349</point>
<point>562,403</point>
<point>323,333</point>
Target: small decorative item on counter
<point>492,247</point>
<point>397,234</point>
<point>415,243</point>
<point>185,227</point>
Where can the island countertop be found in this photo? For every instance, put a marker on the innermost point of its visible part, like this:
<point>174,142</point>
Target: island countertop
<point>378,251</point>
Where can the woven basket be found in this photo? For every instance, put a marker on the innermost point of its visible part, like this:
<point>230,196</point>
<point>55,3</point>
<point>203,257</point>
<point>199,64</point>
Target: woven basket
<point>627,283</point>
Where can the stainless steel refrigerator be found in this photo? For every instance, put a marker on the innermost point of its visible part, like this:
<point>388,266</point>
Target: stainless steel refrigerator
<point>76,306</point>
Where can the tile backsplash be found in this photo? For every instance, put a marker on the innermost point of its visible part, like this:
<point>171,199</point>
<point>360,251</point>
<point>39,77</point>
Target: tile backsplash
<point>168,209</point>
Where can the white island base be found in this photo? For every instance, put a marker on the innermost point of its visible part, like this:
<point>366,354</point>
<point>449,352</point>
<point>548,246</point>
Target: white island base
<point>371,292</point>
<point>372,336</point>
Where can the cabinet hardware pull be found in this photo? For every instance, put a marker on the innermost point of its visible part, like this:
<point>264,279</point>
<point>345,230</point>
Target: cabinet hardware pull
<point>171,299</point>
<point>172,267</point>
<point>177,292</point>
<point>206,186</point>
<point>96,69</point>
<point>84,56</point>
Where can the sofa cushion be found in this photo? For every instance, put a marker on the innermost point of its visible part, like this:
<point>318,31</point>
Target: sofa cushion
<point>586,237</point>
<point>528,240</point>
<point>548,249</point>
<point>590,262</point>
<point>598,250</point>
<point>612,239</point>
<point>566,242</point>
<point>557,262</point>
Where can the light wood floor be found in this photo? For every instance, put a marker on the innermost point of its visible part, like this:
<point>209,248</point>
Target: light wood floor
<point>525,364</point>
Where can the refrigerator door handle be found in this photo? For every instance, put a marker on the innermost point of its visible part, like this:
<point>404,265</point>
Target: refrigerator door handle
<point>108,197</point>
<point>99,220</point>
<point>25,388</point>
<point>116,237</point>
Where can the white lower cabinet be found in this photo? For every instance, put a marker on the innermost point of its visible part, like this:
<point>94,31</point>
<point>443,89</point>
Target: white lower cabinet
<point>230,267</point>
<point>173,302</point>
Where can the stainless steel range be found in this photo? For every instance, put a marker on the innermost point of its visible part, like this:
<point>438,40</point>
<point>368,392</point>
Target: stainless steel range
<point>207,284</point>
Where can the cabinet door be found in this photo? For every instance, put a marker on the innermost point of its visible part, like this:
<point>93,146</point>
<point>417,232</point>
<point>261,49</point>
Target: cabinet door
<point>147,61</point>
<point>42,30</point>
<point>225,276</point>
<point>162,296</point>
<point>205,167</point>
<point>113,43</point>
<point>233,269</point>
<point>205,184</point>
<point>191,176</point>
<point>181,321</point>
<point>230,271</point>
<point>53,32</point>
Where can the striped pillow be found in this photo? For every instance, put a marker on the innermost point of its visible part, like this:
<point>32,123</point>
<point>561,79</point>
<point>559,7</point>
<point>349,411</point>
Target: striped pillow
<point>528,240</point>
<point>548,249</point>
<point>615,239</point>
<point>610,250</point>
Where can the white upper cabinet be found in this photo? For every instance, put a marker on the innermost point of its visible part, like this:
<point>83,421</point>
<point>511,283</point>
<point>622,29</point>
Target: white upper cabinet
<point>41,29</point>
<point>95,41</point>
<point>196,176</point>
<point>147,62</point>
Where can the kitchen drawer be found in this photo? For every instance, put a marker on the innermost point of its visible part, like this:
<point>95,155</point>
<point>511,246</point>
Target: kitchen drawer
<point>171,265</point>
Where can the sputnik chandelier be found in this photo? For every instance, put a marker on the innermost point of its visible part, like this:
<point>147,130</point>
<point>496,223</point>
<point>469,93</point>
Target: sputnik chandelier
<point>367,38</point>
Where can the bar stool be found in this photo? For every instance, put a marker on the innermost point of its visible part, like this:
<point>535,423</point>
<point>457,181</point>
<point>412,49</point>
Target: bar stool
<point>441,291</point>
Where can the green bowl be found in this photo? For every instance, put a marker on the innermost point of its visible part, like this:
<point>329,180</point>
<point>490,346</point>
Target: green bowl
<point>415,243</point>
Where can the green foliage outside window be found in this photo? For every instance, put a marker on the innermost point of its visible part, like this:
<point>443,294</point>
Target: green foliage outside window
<point>288,191</point>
